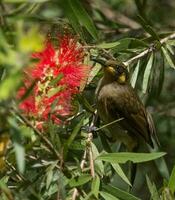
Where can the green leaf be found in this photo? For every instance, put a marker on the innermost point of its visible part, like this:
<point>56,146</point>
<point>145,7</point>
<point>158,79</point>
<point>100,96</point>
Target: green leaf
<point>129,43</point>
<point>26,131</point>
<point>72,136</point>
<point>134,157</point>
<point>78,145</point>
<point>94,71</point>
<point>17,143</point>
<point>80,180</point>
<point>5,190</point>
<point>20,156</point>
<point>108,196</point>
<point>152,189</point>
<point>171,42</point>
<point>95,186</point>
<point>98,163</point>
<point>160,163</point>
<point>171,183</point>
<point>168,58</point>
<point>71,16</point>
<point>170,49</point>
<point>31,41</point>
<point>56,80</point>
<point>9,85</point>
<point>161,75</point>
<point>120,172</point>
<point>49,174</point>
<point>85,103</point>
<point>54,90</point>
<point>109,45</point>
<point>122,195</point>
<point>83,17</point>
<point>135,75</point>
<point>148,28</point>
<point>147,73</point>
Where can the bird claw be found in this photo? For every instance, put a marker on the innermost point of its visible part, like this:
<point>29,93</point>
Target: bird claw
<point>90,129</point>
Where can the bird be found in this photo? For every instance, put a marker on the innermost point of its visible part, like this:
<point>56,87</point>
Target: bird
<point>117,99</point>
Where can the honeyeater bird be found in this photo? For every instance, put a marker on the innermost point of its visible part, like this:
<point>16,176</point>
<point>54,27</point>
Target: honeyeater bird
<point>116,99</point>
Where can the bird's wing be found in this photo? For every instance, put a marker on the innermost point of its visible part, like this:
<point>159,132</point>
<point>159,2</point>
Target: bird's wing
<point>129,106</point>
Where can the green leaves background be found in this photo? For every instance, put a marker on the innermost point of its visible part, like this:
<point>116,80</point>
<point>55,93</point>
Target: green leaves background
<point>52,165</point>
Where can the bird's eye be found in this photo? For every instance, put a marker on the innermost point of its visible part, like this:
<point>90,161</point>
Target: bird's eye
<point>120,69</point>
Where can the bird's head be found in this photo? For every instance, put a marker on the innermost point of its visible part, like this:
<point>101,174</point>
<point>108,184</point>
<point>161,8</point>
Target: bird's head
<point>114,70</point>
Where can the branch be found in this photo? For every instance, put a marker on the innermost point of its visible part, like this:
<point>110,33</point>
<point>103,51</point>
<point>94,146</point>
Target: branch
<point>150,49</point>
<point>82,164</point>
<point>47,142</point>
<point>89,150</point>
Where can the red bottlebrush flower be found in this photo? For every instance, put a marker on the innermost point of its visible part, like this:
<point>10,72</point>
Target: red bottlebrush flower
<point>58,75</point>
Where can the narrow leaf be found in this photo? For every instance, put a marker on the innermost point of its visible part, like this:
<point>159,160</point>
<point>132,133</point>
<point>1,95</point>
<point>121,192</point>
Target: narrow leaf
<point>108,45</point>
<point>122,195</point>
<point>108,196</point>
<point>147,73</point>
<point>171,183</point>
<point>135,75</point>
<point>20,156</point>
<point>161,76</point>
<point>148,28</point>
<point>94,71</point>
<point>98,163</point>
<point>71,16</point>
<point>72,136</point>
<point>80,180</point>
<point>160,163</point>
<point>152,189</point>
<point>120,172</point>
<point>84,102</point>
<point>17,143</point>
<point>129,43</point>
<point>170,49</point>
<point>56,80</point>
<point>84,18</point>
<point>168,58</point>
<point>134,157</point>
<point>53,91</point>
<point>95,186</point>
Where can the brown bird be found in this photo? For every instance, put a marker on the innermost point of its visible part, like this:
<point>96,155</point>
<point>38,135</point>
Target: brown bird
<point>117,99</point>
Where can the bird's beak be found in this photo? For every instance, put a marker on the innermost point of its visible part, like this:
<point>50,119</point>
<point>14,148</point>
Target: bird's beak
<point>101,61</point>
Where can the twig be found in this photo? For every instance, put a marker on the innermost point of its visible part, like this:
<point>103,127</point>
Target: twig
<point>89,150</point>
<point>91,161</point>
<point>150,49</point>
<point>106,125</point>
<point>19,176</point>
<point>82,164</point>
<point>47,142</point>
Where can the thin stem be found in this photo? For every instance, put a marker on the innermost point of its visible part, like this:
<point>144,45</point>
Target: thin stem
<point>91,161</point>
<point>47,142</point>
<point>82,164</point>
<point>106,125</point>
<point>150,49</point>
<point>88,150</point>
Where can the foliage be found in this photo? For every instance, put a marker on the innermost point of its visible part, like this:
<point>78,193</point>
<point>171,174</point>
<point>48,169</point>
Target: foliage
<point>68,160</point>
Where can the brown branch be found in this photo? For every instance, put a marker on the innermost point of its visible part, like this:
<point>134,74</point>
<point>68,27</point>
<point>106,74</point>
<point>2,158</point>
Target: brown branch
<point>150,49</point>
<point>82,164</point>
<point>19,176</point>
<point>91,161</point>
<point>46,141</point>
<point>89,150</point>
